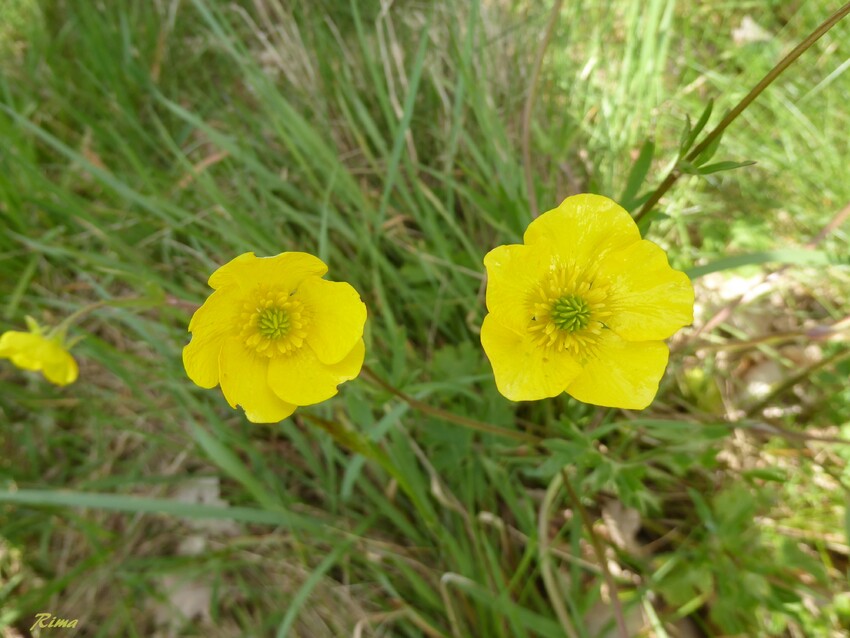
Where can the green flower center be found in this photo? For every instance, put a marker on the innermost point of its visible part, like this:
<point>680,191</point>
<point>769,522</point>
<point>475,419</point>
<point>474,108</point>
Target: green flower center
<point>570,313</point>
<point>273,323</point>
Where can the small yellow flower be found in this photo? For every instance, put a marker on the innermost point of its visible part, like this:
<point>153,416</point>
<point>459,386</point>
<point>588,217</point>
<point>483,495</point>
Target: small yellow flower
<point>276,335</point>
<point>39,352</point>
<point>582,307</point>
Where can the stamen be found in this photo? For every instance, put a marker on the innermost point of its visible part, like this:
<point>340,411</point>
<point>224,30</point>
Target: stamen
<point>567,311</point>
<point>273,322</point>
<point>570,313</point>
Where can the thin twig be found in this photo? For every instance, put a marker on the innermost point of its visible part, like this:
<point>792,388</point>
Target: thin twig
<point>834,223</point>
<point>776,429</point>
<point>766,81</point>
<point>529,106</point>
<point>547,572</point>
<point>466,422</point>
<point>600,555</point>
<point>726,311</point>
<point>822,332</point>
<point>790,382</point>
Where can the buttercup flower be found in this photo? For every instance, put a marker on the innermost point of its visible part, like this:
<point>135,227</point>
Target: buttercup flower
<point>276,335</point>
<point>46,353</point>
<point>582,306</point>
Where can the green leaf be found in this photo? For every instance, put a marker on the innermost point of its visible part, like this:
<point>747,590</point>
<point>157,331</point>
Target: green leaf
<point>723,166</point>
<point>796,256</point>
<point>685,136</point>
<point>229,462</point>
<point>708,152</point>
<point>143,505</point>
<point>637,175</point>
<point>392,171</point>
<point>847,518</point>
<point>703,510</point>
<point>687,167</point>
<point>773,474</point>
<point>316,577</point>
<point>690,135</point>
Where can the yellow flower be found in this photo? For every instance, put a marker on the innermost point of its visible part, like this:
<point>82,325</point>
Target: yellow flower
<point>276,335</point>
<point>39,352</point>
<point>582,307</point>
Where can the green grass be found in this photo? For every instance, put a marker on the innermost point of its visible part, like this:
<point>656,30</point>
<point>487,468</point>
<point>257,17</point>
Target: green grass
<point>143,144</point>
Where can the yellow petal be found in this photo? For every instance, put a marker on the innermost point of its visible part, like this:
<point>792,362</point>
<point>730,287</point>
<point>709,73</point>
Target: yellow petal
<point>243,382</point>
<point>583,229</point>
<point>648,299</point>
<point>211,324</point>
<point>303,379</point>
<point>525,371</point>
<point>30,351</point>
<point>625,374</point>
<point>21,348</point>
<point>337,317</point>
<point>513,272</point>
<point>286,270</point>
<point>58,366</point>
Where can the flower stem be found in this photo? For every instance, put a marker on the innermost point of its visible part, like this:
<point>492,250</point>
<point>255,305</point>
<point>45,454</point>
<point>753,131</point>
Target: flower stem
<point>445,415</point>
<point>360,444</point>
<point>766,81</point>
<point>600,554</point>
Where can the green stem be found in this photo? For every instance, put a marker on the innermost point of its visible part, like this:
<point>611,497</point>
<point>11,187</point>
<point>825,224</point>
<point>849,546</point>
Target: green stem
<point>445,415</point>
<point>63,326</point>
<point>359,444</point>
<point>766,81</point>
<point>791,381</point>
<point>613,592</point>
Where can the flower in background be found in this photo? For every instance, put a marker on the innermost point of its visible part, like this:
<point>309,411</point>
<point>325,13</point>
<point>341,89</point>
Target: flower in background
<point>582,306</point>
<point>40,352</point>
<point>275,335</point>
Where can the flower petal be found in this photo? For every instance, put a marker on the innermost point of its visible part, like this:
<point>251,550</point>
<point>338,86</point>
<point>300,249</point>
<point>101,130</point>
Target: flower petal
<point>648,299</point>
<point>211,324</point>
<point>513,271</point>
<point>583,228</point>
<point>30,351</point>
<point>286,270</point>
<point>337,317</point>
<point>303,379</point>
<point>624,375</point>
<point>59,367</point>
<point>21,348</point>
<point>243,382</point>
<point>525,371</point>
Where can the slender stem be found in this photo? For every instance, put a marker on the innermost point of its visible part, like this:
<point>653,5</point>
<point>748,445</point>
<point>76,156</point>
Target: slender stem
<point>758,89</point>
<point>600,555</point>
<point>359,444</point>
<point>791,381</point>
<point>118,302</point>
<point>529,106</point>
<point>726,311</point>
<point>466,422</point>
<point>547,569</point>
<point>659,192</point>
<point>62,327</point>
<point>817,333</point>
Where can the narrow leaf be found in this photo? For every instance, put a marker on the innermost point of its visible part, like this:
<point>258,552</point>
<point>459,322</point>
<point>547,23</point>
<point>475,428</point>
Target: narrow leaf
<point>796,256</point>
<point>723,166</point>
<point>637,175</point>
